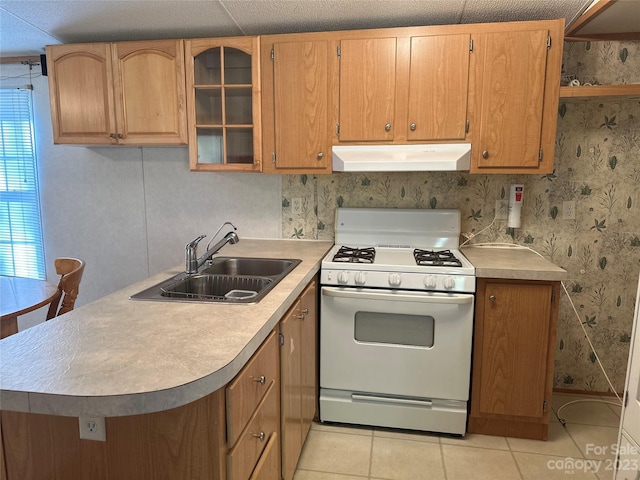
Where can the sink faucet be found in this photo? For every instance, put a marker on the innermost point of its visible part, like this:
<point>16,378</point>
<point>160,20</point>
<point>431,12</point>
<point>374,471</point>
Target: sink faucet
<point>193,263</point>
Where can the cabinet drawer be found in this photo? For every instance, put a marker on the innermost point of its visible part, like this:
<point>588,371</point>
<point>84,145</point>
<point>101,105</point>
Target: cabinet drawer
<point>248,388</point>
<point>243,457</point>
<point>268,465</point>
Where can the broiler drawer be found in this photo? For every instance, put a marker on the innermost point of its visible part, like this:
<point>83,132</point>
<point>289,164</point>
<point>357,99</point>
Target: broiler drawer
<point>250,385</point>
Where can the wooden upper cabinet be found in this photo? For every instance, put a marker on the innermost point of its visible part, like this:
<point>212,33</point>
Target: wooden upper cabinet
<point>516,87</point>
<point>438,87</point>
<point>223,88</point>
<point>367,89</point>
<point>122,93</point>
<point>81,93</point>
<point>151,104</point>
<point>404,89</point>
<point>297,134</point>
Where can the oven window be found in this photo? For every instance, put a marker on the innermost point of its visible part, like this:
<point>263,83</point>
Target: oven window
<point>394,328</point>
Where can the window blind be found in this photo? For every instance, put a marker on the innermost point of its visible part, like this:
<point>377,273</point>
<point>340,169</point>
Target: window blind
<point>21,246</point>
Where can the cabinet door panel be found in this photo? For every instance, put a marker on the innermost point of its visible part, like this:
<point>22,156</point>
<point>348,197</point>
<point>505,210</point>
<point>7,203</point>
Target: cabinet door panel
<point>245,454</point>
<point>512,95</point>
<point>438,85</point>
<point>81,93</point>
<point>300,82</point>
<point>308,372</point>
<point>248,388</point>
<point>513,374</point>
<point>224,111</point>
<point>291,406</point>
<point>367,89</point>
<point>151,104</point>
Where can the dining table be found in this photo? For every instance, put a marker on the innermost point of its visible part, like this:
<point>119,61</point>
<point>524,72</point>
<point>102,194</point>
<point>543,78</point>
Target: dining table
<point>20,295</point>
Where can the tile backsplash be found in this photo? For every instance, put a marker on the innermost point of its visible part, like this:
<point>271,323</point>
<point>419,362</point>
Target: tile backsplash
<point>597,170</point>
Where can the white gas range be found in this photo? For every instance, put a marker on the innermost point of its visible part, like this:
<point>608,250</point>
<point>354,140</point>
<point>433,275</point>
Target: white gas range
<point>396,321</point>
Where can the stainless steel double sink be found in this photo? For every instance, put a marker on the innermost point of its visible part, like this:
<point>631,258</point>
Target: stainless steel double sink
<point>226,280</point>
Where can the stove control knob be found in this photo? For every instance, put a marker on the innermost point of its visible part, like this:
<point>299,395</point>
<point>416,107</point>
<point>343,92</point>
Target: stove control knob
<point>361,278</point>
<point>449,283</point>
<point>430,281</point>
<point>343,277</point>
<point>395,279</point>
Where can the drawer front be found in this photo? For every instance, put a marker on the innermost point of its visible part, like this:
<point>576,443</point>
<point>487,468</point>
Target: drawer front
<point>250,385</point>
<point>268,467</point>
<point>243,457</point>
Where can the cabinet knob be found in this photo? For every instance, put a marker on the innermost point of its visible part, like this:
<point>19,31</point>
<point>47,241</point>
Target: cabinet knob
<point>485,154</point>
<point>120,136</point>
<point>387,127</point>
<point>412,126</point>
<point>305,311</point>
<point>261,380</point>
<point>492,298</point>
<point>113,135</point>
<point>320,155</point>
<point>260,436</point>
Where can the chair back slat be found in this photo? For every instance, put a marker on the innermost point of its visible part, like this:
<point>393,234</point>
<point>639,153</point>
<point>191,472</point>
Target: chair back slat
<point>71,270</point>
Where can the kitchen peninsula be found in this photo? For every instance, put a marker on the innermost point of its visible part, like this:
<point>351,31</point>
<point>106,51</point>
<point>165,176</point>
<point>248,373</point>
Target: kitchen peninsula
<point>155,370</point>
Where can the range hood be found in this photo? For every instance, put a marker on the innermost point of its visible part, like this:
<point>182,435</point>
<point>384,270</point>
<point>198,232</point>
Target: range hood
<point>402,158</point>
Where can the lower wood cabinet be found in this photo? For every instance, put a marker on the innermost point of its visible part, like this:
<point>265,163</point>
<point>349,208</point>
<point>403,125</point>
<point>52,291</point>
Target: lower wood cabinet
<point>513,358</point>
<point>233,433</point>
<point>253,413</point>
<point>298,367</point>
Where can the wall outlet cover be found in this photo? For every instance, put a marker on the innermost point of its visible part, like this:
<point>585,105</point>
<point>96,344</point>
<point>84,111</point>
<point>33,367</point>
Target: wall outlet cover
<point>92,428</point>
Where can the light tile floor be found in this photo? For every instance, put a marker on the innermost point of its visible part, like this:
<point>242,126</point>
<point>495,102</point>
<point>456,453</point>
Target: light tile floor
<point>582,450</point>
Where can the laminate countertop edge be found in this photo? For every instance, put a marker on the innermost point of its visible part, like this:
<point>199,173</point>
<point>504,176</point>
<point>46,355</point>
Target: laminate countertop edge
<point>516,263</point>
<point>51,369</point>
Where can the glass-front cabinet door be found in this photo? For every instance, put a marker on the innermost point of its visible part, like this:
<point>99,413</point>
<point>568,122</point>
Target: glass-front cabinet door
<point>224,104</point>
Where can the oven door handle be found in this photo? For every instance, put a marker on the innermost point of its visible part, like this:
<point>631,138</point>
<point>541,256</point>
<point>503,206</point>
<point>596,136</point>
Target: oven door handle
<point>389,295</point>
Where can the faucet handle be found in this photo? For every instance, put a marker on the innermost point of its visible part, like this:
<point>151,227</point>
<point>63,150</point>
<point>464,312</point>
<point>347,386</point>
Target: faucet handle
<point>194,243</point>
<point>191,255</point>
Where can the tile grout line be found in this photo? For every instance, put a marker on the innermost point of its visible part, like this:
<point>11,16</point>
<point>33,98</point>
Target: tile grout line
<point>515,461</point>
<point>370,456</point>
<point>444,466</point>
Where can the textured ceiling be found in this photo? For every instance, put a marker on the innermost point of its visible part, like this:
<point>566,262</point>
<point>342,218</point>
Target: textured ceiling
<point>26,26</point>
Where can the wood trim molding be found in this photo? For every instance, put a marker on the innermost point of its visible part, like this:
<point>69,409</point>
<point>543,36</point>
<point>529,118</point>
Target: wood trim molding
<point>25,59</point>
<point>587,16</point>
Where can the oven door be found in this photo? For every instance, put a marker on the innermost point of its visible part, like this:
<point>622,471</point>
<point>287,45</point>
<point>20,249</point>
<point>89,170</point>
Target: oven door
<point>396,342</point>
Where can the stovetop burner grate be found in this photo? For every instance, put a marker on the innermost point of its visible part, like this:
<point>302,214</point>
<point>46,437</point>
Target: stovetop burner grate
<point>355,255</point>
<point>436,258</point>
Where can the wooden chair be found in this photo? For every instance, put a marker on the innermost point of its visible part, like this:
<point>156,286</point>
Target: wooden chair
<point>71,270</point>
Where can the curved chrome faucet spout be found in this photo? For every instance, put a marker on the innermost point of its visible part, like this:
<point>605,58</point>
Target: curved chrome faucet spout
<point>193,263</point>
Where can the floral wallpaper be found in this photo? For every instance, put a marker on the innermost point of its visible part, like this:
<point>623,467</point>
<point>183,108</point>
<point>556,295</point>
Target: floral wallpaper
<point>597,167</point>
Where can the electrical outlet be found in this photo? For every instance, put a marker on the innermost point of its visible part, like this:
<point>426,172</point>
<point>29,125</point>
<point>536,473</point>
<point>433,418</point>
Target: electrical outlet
<point>93,428</point>
<point>569,210</point>
<point>502,209</point>
<point>296,206</point>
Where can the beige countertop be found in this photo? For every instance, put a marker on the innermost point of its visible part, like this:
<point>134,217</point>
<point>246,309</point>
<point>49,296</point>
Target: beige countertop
<point>116,356</point>
<point>512,263</point>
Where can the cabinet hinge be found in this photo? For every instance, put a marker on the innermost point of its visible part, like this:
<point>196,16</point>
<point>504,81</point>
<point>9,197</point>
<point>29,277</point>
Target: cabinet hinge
<point>466,127</point>
<point>626,398</point>
<point>281,339</point>
<point>338,51</point>
<point>548,42</point>
<point>273,55</point>
<point>273,157</point>
<point>544,406</point>
<point>471,44</point>
<point>338,129</point>
<point>540,155</point>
